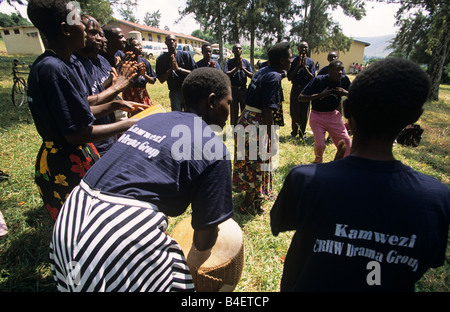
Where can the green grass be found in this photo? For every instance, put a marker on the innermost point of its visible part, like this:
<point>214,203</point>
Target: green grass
<point>24,264</point>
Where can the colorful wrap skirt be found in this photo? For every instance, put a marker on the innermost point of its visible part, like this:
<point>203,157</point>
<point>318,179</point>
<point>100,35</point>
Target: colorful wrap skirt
<point>250,173</point>
<point>278,118</point>
<point>108,243</point>
<point>138,95</point>
<point>59,169</point>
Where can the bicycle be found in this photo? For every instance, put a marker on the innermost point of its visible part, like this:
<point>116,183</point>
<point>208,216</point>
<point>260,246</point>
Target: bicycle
<point>19,89</point>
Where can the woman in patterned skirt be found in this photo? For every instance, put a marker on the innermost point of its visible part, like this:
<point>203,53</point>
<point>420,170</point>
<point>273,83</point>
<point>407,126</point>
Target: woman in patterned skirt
<point>58,101</point>
<point>252,171</point>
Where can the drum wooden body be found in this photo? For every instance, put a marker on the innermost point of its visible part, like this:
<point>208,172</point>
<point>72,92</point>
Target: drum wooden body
<point>217,269</point>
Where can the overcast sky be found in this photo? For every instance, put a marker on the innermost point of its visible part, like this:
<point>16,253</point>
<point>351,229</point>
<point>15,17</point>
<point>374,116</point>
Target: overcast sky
<point>379,20</point>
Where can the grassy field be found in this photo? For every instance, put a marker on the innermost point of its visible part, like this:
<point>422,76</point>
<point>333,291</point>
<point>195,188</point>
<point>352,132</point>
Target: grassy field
<point>24,264</point>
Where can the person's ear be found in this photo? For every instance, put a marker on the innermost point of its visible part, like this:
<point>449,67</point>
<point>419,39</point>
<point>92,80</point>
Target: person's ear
<point>64,29</point>
<point>212,100</point>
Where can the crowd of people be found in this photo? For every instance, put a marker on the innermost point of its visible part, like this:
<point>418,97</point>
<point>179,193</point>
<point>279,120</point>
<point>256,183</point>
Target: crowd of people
<point>110,181</point>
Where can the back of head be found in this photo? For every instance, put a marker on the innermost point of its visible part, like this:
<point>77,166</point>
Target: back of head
<point>277,52</point>
<point>335,63</point>
<point>47,15</point>
<point>201,82</point>
<point>110,31</point>
<point>387,96</point>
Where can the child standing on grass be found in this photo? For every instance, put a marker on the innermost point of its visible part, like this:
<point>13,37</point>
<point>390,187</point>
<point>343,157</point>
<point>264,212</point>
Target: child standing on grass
<point>58,101</point>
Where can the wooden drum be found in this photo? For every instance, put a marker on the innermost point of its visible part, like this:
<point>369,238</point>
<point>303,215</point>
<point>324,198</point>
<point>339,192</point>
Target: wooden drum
<point>217,269</point>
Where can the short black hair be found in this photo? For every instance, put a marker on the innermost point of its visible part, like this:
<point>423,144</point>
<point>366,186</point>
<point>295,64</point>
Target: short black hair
<point>47,15</point>
<point>201,82</point>
<point>335,63</point>
<point>205,45</point>
<point>88,20</point>
<point>387,96</point>
<point>111,31</point>
<point>279,51</point>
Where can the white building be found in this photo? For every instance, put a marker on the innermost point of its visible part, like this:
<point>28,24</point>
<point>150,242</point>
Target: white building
<point>22,40</point>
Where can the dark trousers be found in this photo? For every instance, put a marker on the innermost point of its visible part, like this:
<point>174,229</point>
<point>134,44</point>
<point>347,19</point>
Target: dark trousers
<point>238,94</point>
<point>299,112</point>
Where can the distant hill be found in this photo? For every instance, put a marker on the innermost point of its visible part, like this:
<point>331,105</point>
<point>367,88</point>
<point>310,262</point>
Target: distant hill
<point>377,46</point>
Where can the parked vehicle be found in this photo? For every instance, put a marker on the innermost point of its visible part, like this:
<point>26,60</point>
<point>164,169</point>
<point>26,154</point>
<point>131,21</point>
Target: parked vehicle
<point>216,52</point>
<point>187,48</point>
<point>153,49</point>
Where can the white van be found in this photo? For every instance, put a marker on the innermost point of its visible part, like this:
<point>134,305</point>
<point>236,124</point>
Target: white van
<point>152,49</point>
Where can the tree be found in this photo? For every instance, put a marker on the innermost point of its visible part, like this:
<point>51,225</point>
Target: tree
<point>210,15</point>
<point>12,20</point>
<point>267,21</point>
<point>205,35</point>
<point>152,19</point>
<point>316,26</point>
<point>99,9</point>
<point>424,27</point>
<point>126,10</point>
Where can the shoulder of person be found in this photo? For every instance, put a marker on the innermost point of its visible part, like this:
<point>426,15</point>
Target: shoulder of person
<point>162,56</point>
<point>271,73</point>
<point>144,60</point>
<point>51,65</point>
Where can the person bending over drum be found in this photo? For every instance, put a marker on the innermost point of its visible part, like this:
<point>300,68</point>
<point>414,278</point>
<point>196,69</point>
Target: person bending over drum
<point>110,234</point>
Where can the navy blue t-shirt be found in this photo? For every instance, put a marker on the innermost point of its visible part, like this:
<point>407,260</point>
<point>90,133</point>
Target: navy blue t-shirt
<point>353,211</point>
<point>57,98</point>
<point>301,78</point>
<point>103,66</point>
<point>171,160</point>
<point>264,90</point>
<point>113,60</point>
<point>203,63</point>
<point>92,77</point>
<point>239,78</point>
<point>184,60</point>
<point>89,73</point>
<point>320,83</point>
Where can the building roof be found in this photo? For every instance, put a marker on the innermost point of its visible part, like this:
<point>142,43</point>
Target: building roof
<point>359,41</point>
<point>19,26</point>
<point>158,30</point>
